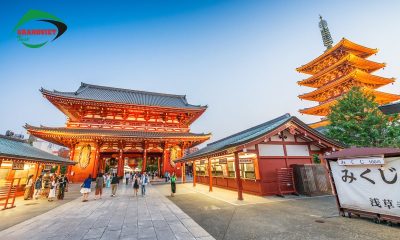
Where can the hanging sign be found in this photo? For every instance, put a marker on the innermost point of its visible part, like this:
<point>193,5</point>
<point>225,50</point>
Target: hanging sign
<point>222,161</point>
<point>370,188</point>
<point>47,167</point>
<point>245,160</point>
<point>201,162</point>
<point>361,161</point>
<point>18,166</point>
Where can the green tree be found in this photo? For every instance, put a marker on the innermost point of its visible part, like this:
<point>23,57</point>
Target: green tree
<point>357,121</point>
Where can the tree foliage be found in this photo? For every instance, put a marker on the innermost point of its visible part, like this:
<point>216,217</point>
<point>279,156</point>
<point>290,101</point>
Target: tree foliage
<point>357,121</point>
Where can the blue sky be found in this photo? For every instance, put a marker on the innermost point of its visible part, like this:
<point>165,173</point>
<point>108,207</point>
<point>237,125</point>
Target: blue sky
<point>238,57</point>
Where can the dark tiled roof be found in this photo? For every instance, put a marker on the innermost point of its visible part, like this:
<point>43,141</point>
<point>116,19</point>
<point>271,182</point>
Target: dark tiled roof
<point>14,148</point>
<point>115,133</point>
<point>125,96</point>
<point>364,151</point>
<point>392,108</point>
<point>251,134</point>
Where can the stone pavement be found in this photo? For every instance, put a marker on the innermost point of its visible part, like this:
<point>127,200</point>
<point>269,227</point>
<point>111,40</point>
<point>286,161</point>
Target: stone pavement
<point>121,217</point>
<point>27,209</point>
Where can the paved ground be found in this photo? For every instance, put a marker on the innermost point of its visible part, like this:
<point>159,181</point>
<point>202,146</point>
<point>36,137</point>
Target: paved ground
<point>121,217</point>
<point>223,217</point>
<point>27,209</point>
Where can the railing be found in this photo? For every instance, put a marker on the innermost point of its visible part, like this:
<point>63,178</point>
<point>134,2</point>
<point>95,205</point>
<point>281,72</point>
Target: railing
<point>8,193</point>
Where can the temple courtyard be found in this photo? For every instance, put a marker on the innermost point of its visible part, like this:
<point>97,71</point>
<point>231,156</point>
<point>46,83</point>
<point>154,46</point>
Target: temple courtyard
<point>194,213</point>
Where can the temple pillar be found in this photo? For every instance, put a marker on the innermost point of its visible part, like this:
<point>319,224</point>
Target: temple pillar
<point>183,172</point>
<point>58,170</point>
<point>194,173</point>
<point>165,159</point>
<point>210,175</point>
<point>120,170</point>
<point>238,179</point>
<point>159,166</point>
<point>144,160</point>
<point>96,163</point>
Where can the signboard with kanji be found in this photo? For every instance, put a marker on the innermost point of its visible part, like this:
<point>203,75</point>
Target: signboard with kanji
<point>18,165</point>
<point>369,187</point>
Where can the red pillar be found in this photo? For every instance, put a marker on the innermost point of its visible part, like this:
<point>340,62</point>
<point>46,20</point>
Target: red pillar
<point>183,172</point>
<point>144,160</point>
<point>120,170</point>
<point>96,163</point>
<point>194,174</point>
<point>238,179</point>
<point>58,170</point>
<point>210,175</point>
<point>159,166</point>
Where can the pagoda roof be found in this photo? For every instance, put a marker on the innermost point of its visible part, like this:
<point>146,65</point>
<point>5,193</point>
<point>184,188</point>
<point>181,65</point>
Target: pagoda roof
<point>357,74</point>
<point>381,98</point>
<point>252,134</point>
<point>104,133</point>
<point>356,49</point>
<point>21,150</point>
<point>391,108</point>
<point>125,96</point>
<point>351,59</point>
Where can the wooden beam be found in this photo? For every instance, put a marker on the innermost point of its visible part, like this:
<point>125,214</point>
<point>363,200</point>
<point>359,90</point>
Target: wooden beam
<point>210,175</point>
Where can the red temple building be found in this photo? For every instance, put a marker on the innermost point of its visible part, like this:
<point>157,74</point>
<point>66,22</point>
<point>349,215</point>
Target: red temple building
<point>108,128</point>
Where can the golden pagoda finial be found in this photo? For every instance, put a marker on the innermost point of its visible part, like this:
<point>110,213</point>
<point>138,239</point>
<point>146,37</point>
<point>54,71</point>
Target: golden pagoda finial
<point>326,35</point>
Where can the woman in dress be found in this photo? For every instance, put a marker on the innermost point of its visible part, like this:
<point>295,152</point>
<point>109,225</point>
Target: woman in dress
<point>53,186</point>
<point>85,188</point>
<point>173,184</point>
<point>108,180</point>
<point>28,188</point>
<point>135,184</point>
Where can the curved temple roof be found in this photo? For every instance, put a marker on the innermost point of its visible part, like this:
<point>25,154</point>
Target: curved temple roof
<point>124,96</point>
<point>345,43</point>
<point>76,132</point>
<point>251,134</point>
<point>19,149</point>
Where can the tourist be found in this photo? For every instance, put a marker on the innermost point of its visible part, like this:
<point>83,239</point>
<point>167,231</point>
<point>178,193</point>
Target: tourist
<point>173,184</point>
<point>136,184</point>
<point>28,188</point>
<point>166,175</point>
<point>62,184</point>
<point>114,184</point>
<point>99,186</point>
<point>85,188</point>
<point>143,181</point>
<point>38,187</point>
<point>108,180</point>
<point>127,177</point>
<point>53,187</point>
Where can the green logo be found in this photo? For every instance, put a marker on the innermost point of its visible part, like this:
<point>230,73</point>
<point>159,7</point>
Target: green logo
<point>37,28</point>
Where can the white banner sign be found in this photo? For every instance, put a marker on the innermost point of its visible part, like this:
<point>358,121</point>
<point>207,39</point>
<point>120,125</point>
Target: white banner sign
<point>369,187</point>
<point>362,161</point>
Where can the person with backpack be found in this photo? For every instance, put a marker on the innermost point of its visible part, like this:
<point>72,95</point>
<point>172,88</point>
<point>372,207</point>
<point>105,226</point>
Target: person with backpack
<point>38,187</point>
<point>173,184</point>
<point>114,184</point>
<point>144,179</point>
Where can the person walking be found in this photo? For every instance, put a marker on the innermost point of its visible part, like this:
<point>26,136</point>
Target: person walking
<point>114,184</point>
<point>53,187</point>
<point>28,188</point>
<point>135,184</point>
<point>38,187</point>
<point>108,180</point>
<point>99,186</point>
<point>173,184</point>
<point>127,177</point>
<point>85,188</point>
<point>143,182</point>
<point>62,184</point>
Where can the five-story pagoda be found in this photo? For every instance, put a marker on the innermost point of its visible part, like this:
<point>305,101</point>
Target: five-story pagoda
<point>108,128</point>
<point>336,71</point>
